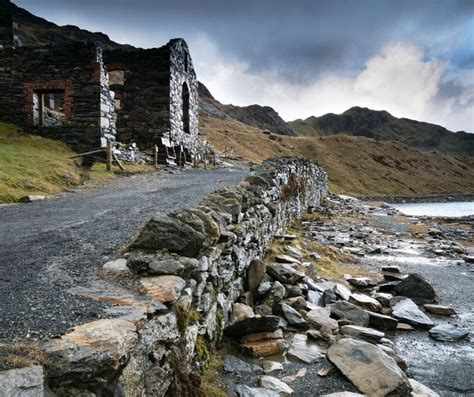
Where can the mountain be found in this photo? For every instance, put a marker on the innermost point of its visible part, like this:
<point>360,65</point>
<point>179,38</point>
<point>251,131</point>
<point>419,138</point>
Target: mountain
<point>382,126</point>
<point>263,117</point>
<point>36,31</point>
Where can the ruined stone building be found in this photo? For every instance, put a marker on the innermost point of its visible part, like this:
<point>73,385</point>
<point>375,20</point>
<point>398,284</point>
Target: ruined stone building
<point>84,94</point>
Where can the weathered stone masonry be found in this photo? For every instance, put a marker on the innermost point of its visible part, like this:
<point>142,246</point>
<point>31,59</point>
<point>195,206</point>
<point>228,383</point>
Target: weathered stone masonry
<point>192,266</point>
<point>77,73</point>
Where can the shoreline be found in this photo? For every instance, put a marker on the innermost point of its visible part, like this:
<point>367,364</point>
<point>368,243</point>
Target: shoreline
<point>446,198</point>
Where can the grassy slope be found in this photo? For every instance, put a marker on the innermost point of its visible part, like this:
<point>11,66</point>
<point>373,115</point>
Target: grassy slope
<point>33,165</point>
<point>356,166</point>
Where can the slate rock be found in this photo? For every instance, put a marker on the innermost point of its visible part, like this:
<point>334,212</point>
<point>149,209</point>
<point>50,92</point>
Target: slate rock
<point>366,302</point>
<point>284,273</point>
<point>287,259</point>
<point>269,382</point>
<point>22,382</point>
<point>371,370</point>
<point>235,365</point>
<point>294,252</point>
<point>349,311</point>
<point>388,287</point>
<point>368,334</point>
<point>91,352</point>
<point>253,325</point>
<point>381,321</point>
<point>255,273</point>
<point>448,333</point>
<point>343,394</point>
<point>160,264</point>
<point>320,318</point>
<point>264,348</point>
<point>314,297</point>
<point>247,391</point>
<point>405,310</point>
<point>416,288</point>
<point>241,311</point>
<point>290,314</point>
<point>329,296</point>
<point>362,282</point>
<point>165,289</point>
<point>440,310</point>
<point>303,349</point>
<point>420,390</point>
<point>170,233</point>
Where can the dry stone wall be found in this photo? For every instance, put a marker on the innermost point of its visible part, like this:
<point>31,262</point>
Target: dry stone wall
<point>190,266</point>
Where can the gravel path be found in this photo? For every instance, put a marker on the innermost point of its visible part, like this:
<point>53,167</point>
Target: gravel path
<point>50,246</point>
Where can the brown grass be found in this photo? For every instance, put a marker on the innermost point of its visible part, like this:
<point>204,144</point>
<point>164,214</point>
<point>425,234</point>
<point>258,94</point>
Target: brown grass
<point>356,166</point>
<point>20,355</point>
<point>333,263</point>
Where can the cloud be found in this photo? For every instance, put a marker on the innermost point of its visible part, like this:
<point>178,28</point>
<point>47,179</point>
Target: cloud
<point>399,79</point>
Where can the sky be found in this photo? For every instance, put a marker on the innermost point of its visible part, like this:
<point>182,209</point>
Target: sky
<point>305,58</point>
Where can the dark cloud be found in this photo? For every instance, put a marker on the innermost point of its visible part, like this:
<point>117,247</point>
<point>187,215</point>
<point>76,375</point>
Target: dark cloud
<point>301,39</point>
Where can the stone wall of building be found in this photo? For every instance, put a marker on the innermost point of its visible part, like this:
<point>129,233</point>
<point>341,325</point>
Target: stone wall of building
<point>149,96</point>
<point>191,266</point>
<point>74,71</point>
<point>182,76</point>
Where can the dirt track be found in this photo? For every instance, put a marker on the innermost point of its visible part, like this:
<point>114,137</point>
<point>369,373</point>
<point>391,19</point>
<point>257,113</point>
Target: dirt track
<point>50,246</point>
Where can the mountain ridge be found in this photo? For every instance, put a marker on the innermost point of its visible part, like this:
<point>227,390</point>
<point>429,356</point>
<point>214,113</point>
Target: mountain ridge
<point>382,126</point>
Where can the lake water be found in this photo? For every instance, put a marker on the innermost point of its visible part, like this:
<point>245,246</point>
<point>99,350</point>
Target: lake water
<point>452,209</point>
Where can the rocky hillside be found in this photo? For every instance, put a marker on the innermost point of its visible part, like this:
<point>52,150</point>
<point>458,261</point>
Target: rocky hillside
<point>262,117</point>
<point>358,166</point>
<point>34,30</point>
<point>382,126</point>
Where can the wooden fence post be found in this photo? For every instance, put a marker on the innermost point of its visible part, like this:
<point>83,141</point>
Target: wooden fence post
<point>108,156</point>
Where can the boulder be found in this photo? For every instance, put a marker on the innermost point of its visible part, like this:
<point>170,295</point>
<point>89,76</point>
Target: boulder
<point>407,311</point>
<point>381,321</point>
<point>253,325</point>
<point>440,310</point>
<point>22,382</point>
<point>304,350</point>
<point>346,310</point>
<point>448,333</point>
<point>236,365</point>
<point>368,334</point>
<point>371,370</point>
<point>276,294</point>
<point>320,318</point>
<point>269,382</point>
<point>366,302</point>
<point>171,233</point>
<point>165,289</point>
<point>416,288</point>
<point>290,314</point>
